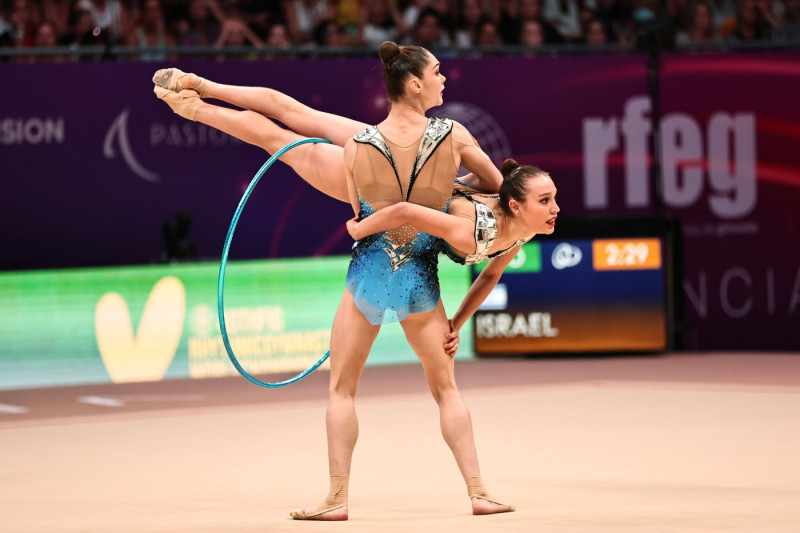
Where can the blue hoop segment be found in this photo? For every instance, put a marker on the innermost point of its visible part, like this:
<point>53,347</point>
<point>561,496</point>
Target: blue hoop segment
<point>224,263</point>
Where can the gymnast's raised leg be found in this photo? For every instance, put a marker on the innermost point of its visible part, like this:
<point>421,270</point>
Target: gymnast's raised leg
<point>274,104</point>
<point>321,165</point>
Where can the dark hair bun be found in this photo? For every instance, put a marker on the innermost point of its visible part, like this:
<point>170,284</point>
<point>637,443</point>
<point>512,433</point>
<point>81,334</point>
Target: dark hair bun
<point>389,50</point>
<point>508,167</point>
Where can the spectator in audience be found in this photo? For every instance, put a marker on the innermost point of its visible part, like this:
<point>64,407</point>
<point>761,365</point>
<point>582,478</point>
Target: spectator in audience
<point>56,12</point>
<point>23,18</point>
<point>532,34</point>
<point>680,11</point>
<point>564,15</point>
<point>488,33</point>
<point>278,37</point>
<point>45,36</point>
<point>412,10</point>
<point>331,33</point>
<point>6,29</point>
<point>767,9</point>
<point>302,16</point>
<point>470,16</point>
<point>148,33</point>
<point>428,31</point>
<point>585,15</point>
<point>531,23</point>
<point>751,24</point>
<point>236,33</point>
<point>595,33</point>
<point>380,21</point>
<point>447,10</point>
<point>82,31</point>
<point>516,13</point>
<point>532,10</point>
<point>508,20</point>
<point>790,13</point>
<point>78,22</point>
<point>701,27</point>
<point>616,16</point>
<point>789,28</point>
<point>448,13</point>
<point>202,25</point>
<point>347,17</point>
<point>110,17</point>
<point>651,27</point>
<point>723,15</point>
<point>261,15</point>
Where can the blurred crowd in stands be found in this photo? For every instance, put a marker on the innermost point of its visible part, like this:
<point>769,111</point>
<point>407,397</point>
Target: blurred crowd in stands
<point>153,26</point>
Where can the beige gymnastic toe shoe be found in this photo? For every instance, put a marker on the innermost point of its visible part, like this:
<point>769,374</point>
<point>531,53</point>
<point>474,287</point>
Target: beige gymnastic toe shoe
<point>335,505</point>
<point>184,103</point>
<point>177,80</point>
<point>482,502</point>
<point>337,512</point>
<point>480,507</point>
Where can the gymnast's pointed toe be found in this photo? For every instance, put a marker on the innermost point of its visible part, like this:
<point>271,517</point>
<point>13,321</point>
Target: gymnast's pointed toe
<point>184,103</point>
<point>167,78</point>
<point>174,79</point>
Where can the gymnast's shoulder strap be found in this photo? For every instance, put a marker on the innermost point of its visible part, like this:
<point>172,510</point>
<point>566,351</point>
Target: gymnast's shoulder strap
<point>371,135</point>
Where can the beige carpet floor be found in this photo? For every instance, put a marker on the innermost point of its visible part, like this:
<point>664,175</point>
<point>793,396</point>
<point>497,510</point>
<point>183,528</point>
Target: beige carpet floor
<point>670,443</point>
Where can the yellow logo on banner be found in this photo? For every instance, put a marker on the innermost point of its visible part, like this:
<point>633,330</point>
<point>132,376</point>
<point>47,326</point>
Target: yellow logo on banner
<point>146,356</point>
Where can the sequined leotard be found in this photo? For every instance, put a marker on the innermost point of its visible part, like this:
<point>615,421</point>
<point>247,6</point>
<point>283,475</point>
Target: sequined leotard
<point>395,273</point>
<point>465,204</point>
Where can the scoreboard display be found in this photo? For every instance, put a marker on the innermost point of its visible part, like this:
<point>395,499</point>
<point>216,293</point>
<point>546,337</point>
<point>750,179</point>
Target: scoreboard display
<point>593,286</point>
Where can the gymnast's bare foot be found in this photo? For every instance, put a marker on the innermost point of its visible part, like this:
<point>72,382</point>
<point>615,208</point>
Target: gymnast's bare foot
<point>184,103</point>
<point>176,80</point>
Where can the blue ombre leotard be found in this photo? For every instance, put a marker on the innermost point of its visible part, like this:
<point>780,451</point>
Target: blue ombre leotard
<point>395,273</point>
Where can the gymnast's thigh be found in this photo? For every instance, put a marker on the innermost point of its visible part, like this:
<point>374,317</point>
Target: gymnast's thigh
<point>322,166</point>
<point>351,340</point>
<point>425,333</point>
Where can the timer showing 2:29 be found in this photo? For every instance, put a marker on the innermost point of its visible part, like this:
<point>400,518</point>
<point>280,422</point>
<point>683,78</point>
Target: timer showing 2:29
<point>626,254</point>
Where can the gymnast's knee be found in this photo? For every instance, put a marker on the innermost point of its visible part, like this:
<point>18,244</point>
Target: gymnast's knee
<point>444,391</point>
<point>340,390</point>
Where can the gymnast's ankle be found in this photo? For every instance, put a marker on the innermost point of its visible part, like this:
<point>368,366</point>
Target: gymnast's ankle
<point>185,103</point>
<point>333,508</point>
<point>482,502</point>
<point>192,81</point>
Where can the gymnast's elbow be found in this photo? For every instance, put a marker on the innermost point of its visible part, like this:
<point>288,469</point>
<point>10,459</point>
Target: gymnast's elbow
<point>401,214</point>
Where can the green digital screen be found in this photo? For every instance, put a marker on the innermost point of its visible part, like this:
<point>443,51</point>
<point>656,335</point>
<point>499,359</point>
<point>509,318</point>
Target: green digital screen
<point>147,323</point>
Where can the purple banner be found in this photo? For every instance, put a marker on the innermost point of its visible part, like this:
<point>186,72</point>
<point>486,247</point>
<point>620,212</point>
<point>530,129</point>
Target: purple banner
<point>93,164</point>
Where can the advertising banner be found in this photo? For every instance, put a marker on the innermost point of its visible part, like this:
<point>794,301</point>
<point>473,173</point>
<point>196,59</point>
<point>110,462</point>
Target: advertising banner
<point>147,323</point>
<point>94,165</point>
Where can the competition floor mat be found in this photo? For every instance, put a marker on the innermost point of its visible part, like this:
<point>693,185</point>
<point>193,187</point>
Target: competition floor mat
<point>685,442</point>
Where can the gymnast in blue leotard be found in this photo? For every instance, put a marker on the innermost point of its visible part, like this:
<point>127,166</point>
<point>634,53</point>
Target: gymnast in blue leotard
<point>394,273</point>
<point>402,282</point>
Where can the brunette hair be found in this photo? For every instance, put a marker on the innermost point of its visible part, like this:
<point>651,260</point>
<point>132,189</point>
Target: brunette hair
<point>400,62</point>
<point>515,178</point>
